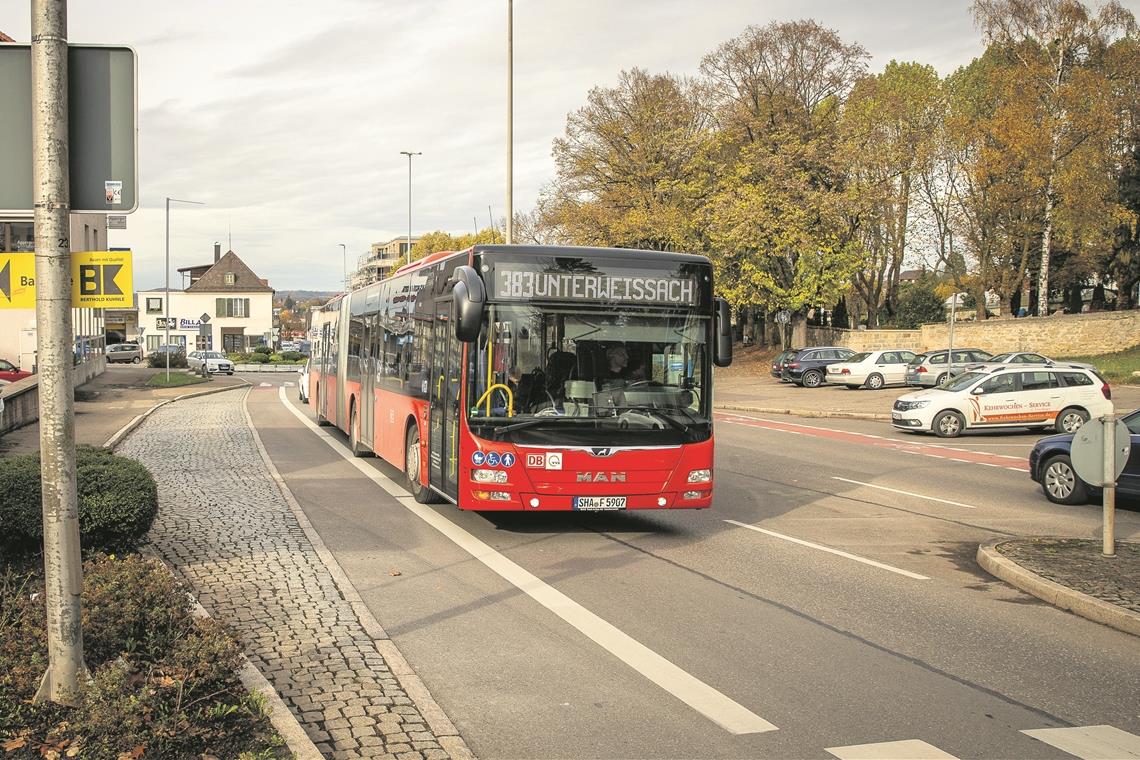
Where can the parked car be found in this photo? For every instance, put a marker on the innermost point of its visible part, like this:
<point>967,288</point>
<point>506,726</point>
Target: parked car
<point>808,366</point>
<point>778,362</point>
<point>10,372</point>
<point>871,369</point>
<point>303,383</point>
<point>1050,465</point>
<point>170,348</point>
<point>215,362</point>
<point>1006,396</point>
<point>124,352</point>
<point>933,368</point>
<point>1028,357</point>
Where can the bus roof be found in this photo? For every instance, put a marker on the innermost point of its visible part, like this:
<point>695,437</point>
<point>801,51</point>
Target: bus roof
<point>558,250</point>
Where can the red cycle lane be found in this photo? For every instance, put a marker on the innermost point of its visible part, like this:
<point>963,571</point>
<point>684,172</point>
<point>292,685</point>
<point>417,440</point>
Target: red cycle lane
<point>1018,464</point>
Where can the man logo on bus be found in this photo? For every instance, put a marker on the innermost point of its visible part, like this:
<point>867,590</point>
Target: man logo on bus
<point>478,458</point>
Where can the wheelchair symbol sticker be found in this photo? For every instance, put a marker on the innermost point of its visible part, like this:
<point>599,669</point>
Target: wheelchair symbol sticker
<point>493,459</point>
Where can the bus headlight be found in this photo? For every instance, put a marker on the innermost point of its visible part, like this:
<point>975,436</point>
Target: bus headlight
<point>696,494</point>
<point>700,476</point>
<point>489,476</point>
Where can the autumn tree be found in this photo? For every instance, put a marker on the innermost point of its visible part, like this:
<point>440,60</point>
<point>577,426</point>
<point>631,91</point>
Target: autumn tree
<point>632,167</point>
<point>1055,44</point>
<point>890,123</point>
<point>777,222</point>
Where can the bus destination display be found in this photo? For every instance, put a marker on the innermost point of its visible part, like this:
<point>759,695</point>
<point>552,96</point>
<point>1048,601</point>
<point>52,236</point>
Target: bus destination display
<point>522,283</point>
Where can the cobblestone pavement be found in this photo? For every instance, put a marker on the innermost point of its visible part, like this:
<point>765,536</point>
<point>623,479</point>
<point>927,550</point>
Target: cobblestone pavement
<point>1078,564</point>
<point>224,524</point>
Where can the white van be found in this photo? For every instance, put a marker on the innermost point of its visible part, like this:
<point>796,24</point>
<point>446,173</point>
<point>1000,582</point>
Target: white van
<point>1006,396</point>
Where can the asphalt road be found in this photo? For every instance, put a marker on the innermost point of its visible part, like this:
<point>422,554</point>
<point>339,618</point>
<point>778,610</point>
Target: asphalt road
<point>693,634</point>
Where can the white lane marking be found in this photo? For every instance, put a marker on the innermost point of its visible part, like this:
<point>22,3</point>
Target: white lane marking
<point>1090,742</point>
<point>907,493</point>
<point>729,715</point>
<point>828,549</point>
<point>288,384</point>
<point>908,749</point>
<point>265,385</point>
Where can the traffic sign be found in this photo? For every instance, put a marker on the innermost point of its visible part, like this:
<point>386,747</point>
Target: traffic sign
<point>102,279</point>
<point>17,281</point>
<point>1087,452</point>
<point>783,316</point>
<point>102,129</point>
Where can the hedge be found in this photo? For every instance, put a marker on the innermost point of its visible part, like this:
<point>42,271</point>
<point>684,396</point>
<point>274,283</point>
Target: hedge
<point>118,500</point>
<point>157,360</point>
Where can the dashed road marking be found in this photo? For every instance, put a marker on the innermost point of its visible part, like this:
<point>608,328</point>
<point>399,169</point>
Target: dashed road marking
<point>1091,742</point>
<point>906,493</point>
<point>828,549</point>
<point>908,749</point>
<point>726,713</point>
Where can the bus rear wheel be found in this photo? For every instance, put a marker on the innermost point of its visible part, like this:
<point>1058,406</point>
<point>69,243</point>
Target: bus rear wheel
<point>420,492</point>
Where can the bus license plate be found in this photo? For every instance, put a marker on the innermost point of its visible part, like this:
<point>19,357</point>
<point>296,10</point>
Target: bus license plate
<point>599,503</point>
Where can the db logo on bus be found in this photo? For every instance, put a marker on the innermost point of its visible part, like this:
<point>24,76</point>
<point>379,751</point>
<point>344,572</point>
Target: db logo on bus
<point>550,461</point>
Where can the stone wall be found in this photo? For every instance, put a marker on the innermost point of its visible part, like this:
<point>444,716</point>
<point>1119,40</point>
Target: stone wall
<point>22,398</point>
<point>1056,336</point>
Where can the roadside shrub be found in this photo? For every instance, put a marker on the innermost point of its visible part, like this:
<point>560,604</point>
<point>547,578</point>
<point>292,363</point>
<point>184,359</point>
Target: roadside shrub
<point>291,356</point>
<point>118,500</point>
<point>238,358</point>
<point>160,679</point>
<point>263,349</point>
<point>258,358</point>
<point>918,305</point>
<point>158,361</point>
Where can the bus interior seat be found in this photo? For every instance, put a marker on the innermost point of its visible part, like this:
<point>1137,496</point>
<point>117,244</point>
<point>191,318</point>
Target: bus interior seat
<point>560,367</point>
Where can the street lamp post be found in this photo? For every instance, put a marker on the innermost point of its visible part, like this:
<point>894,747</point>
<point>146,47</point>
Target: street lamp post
<point>166,298</point>
<point>409,154</point>
<point>344,260</point>
<point>510,120</point>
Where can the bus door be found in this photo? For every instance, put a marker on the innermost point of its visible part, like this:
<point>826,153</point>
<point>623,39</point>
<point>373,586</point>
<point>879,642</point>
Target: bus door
<point>368,383</point>
<point>324,377</point>
<point>443,414</point>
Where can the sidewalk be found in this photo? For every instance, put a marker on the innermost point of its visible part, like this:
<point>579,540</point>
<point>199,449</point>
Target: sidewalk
<point>228,528</point>
<point>764,394</point>
<point>107,403</point>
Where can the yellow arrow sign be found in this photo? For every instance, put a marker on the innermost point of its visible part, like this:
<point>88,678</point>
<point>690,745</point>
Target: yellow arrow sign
<point>102,279</point>
<point>99,279</point>
<point>17,281</point>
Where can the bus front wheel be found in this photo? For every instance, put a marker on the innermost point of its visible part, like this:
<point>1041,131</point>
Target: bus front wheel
<point>420,492</point>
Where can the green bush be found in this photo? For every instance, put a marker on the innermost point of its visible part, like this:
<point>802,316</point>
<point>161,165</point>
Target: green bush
<point>158,360</point>
<point>918,305</point>
<point>118,500</point>
<point>258,358</point>
<point>292,356</point>
<point>238,358</point>
<point>263,349</point>
<point>159,678</point>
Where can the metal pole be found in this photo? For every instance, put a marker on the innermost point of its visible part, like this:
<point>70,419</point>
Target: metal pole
<point>1108,547</point>
<point>510,120</point>
<point>63,568</point>
<point>344,262</point>
<point>950,337</point>
<point>409,154</point>
<point>166,295</point>
<point>166,298</point>
<point>491,219</point>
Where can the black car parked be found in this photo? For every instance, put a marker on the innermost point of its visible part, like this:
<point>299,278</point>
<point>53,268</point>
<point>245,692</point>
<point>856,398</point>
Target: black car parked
<point>809,365</point>
<point>778,362</point>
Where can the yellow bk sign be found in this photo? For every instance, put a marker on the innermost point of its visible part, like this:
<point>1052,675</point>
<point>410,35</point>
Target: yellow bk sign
<point>99,279</point>
<point>102,279</point>
<point>17,281</point>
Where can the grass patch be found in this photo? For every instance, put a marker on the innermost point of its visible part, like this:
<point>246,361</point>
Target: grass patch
<point>1116,367</point>
<point>176,380</point>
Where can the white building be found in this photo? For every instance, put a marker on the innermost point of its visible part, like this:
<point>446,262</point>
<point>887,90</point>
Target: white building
<point>239,305</point>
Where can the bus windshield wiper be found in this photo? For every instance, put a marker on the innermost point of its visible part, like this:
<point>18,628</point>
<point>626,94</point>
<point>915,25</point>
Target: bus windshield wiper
<point>534,422</point>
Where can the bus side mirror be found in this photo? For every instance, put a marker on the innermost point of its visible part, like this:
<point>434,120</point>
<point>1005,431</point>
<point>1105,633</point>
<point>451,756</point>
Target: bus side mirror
<point>722,355</point>
<point>467,299</point>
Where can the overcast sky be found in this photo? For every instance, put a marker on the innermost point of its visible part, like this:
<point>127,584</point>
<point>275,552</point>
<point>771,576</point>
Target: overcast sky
<point>288,117</point>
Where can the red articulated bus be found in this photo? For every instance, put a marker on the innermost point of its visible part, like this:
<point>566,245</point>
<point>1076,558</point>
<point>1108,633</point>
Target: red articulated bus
<point>531,377</point>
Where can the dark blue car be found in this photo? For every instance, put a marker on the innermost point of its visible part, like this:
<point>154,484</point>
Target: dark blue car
<point>1049,465</point>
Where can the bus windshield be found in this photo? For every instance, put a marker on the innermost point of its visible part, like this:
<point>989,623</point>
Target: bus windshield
<point>609,375</point>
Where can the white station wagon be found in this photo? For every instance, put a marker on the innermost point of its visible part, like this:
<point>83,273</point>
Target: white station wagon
<point>872,369</point>
<point>1006,396</point>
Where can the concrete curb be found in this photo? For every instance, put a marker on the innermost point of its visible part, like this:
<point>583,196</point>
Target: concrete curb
<point>125,430</point>
<point>436,719</point>
<point>825,413</point>
<point>1066,598</point>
